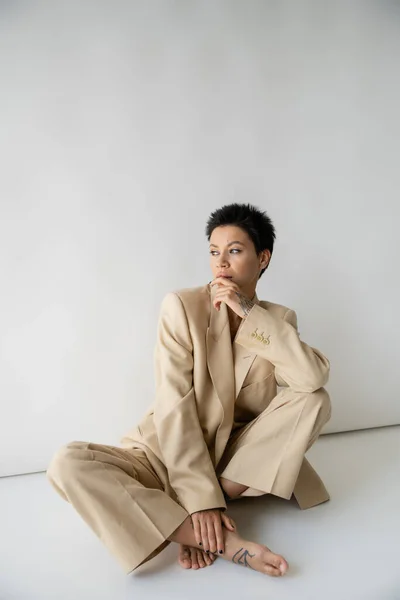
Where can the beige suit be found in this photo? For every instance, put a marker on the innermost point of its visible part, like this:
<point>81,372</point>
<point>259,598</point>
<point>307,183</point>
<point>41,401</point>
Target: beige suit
<point>216,412</point>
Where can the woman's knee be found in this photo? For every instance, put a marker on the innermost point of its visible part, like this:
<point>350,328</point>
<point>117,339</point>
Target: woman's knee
<point>67,460</point>
<point>322,399</point>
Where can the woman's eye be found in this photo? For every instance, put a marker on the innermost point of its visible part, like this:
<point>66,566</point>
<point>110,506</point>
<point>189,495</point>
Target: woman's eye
<point>232,249</point>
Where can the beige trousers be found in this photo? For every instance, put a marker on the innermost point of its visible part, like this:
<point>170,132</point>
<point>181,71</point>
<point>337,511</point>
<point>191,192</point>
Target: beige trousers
<point>122,498</point>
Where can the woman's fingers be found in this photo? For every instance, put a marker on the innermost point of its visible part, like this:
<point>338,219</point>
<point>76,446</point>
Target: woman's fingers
<point>208,531</point>
<point>211,537</point>
<point>196,529</point>
<point>228,522</point>
<point>219,535</point>
<point>204,533</point>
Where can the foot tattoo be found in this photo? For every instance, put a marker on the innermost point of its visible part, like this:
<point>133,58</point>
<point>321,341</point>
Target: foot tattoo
<point>242,558</point>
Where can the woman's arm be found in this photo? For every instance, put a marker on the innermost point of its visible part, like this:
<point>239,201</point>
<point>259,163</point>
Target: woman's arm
<point>297,365</point>
<point>181,440</point>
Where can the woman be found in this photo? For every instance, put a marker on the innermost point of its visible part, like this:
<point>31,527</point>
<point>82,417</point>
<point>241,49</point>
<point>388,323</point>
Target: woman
<point>217,429</point>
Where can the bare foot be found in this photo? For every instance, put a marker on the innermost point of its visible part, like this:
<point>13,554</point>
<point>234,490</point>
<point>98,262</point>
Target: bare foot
<point>253,555</point>
<point>237,550</point>
<point>194,558</point>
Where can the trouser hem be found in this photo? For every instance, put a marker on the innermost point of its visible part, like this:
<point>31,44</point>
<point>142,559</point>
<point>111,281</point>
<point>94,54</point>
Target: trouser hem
<point>151,552</point>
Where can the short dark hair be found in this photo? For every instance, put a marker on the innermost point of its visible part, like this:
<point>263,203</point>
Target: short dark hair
<point>256,223</point>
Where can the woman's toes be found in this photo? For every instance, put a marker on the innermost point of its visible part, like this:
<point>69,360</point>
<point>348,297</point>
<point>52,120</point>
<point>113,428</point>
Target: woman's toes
<point>184,557</point>
<point>270,570</point>
<point>194,558</point>
<point>209,558</point>
<point>200,559</point>
<point>193,553</point>
<point>279,564</point>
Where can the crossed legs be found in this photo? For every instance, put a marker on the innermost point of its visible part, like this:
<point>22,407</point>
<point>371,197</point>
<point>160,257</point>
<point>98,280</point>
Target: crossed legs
<point>120,497</point>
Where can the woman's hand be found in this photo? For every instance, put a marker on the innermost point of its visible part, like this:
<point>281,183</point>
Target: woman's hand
<point>207,525</point>
<point>230,293</point>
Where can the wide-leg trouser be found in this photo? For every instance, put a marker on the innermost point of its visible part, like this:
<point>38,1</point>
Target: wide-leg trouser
<point>120,495</point>
<point>267,454</point>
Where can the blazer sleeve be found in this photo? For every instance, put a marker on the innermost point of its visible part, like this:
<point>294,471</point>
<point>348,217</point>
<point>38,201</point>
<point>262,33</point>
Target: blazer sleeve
<point>181,441</point>
<point>297,365</point>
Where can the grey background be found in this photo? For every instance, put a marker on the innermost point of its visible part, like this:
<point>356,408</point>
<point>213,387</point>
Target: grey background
<point>122,126</point>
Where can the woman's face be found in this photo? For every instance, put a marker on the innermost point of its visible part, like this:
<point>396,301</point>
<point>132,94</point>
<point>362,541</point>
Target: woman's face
<point>232,252</point>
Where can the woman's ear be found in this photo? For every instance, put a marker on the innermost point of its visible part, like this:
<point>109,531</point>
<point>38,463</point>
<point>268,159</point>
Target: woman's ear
<point>266,258</point>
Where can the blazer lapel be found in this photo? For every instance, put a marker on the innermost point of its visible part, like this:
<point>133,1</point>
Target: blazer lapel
<point>228,368</point>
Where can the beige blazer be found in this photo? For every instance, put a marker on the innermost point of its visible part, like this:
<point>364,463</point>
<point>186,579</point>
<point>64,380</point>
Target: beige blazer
<point>206,385</point>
